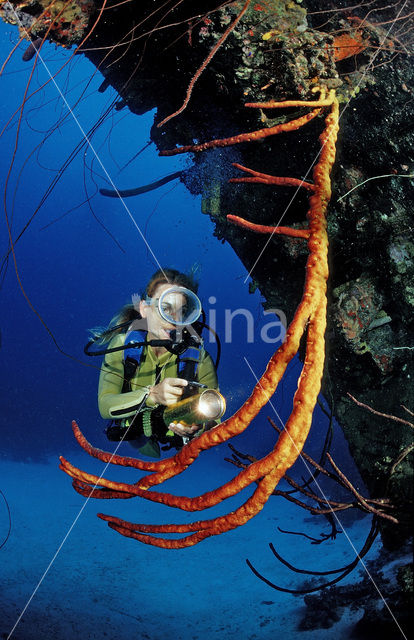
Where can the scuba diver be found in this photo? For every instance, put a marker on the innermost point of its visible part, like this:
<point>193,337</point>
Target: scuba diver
<point>157,383</point>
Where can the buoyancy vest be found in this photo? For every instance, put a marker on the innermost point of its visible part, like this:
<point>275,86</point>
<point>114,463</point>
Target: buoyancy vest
<point>146,420</point>
<point>187,362</point>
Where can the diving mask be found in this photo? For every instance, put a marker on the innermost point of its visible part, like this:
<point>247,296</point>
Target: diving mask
<point>178,306</point>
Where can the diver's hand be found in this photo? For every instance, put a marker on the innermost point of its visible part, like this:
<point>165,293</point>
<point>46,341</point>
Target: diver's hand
<point>168,391</point>
<point>183,430</point>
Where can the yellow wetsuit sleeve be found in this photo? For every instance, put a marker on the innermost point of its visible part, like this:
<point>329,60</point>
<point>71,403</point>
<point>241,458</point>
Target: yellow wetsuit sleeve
<point>111,401</point>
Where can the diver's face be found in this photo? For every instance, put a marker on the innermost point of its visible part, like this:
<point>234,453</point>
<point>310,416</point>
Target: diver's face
<point>158,328</point>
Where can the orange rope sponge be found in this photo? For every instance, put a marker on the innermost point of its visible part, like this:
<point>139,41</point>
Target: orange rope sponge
<point>264,178</point>
<point>261,228</point>
<point>292,125</point>
<point>311,313</point>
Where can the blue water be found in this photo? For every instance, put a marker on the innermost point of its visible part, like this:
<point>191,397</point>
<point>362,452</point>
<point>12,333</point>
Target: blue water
<point>65,573</point>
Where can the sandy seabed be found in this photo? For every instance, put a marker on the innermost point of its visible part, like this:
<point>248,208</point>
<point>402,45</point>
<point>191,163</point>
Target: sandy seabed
<point>98,584</point>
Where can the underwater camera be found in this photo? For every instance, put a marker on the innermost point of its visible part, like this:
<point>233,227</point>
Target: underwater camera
<point>196,409</point>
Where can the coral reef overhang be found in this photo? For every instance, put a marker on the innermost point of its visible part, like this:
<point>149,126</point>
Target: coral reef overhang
<point>280,49</point>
